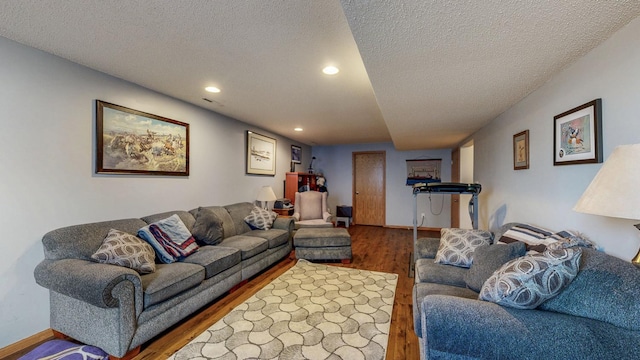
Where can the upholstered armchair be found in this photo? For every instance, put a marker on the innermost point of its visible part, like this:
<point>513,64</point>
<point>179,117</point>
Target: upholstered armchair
<point>310,210</point>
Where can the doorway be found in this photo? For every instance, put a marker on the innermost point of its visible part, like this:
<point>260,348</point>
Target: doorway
<point>369,183</point>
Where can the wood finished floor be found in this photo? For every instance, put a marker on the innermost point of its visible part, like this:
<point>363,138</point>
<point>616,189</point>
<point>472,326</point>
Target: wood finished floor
<point>374,248</point>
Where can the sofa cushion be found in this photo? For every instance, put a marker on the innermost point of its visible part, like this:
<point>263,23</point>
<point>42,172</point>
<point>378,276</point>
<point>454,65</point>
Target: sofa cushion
<point>228,226</point>
<point>249,246</point>
<point>169,280</point>
<point>170,239</point>
<point>426,248</point>
<point>427,271</point>
<point>489,258</point>
<point>535,237</point>
<point>260,219</point>
<point>275,237</point>
<point>457,245</point>
<point>238,212</point>
<point>420,291</point>
<point>215,259</point>
<point>605,289</point>
<point>528,281</point>
<point>187,218</point>
<point>123,249</point>
<point>208,228</point>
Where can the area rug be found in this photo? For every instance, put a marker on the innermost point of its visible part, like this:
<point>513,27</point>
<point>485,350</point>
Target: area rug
<point>312,311</point>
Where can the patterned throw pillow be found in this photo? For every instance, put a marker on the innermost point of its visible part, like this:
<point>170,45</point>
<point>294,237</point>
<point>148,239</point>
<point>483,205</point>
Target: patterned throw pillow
<point>457,245</point>
<point>120,248</point>
<point>170,238</point>
<point>536,238</point>
<point>208,228</point>
<point>526,282</point>
<point>260,218</point>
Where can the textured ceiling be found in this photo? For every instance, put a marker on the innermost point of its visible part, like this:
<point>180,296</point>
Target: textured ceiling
<point>423,74</point>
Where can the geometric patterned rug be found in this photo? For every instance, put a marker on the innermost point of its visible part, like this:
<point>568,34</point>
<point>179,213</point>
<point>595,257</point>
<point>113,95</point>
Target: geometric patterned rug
<point>312,311</point>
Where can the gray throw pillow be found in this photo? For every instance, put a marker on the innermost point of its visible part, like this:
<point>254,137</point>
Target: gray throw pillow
<point>208,227</point>
<point>489,258</point>
<point>528,281</point>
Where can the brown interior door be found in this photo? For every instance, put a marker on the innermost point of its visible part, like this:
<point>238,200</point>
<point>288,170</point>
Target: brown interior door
<point>455,198</point>
<point>369,188</point>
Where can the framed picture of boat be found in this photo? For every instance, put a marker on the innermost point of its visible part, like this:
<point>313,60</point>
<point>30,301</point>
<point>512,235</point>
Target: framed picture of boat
<point>261,154</point>
<point>138,143</point>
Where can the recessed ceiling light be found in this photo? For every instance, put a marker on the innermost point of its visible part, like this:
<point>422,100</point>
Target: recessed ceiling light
<point>297,129</point>
<point>330,70</point>
<point>212,89</point>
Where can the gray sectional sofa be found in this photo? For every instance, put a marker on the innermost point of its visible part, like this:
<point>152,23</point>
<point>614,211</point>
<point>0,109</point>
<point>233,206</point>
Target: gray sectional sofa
<point>117,309</point>
<point>597,316</point>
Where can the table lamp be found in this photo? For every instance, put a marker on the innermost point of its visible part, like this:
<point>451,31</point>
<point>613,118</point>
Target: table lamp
<point>265,195</point>
<point>615,190</point>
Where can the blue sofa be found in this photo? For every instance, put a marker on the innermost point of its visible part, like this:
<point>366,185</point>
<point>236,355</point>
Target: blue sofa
<point>596,317</point>
<point>117,309</point>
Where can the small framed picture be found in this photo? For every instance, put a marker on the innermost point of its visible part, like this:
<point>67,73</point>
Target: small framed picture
<point>577,135</point>
<point>296,154</point>
<point>261,154</point>
<point>521,150</point>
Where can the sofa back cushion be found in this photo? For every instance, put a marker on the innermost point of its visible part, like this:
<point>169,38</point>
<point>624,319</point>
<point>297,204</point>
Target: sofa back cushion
<point>605,289</point>
<point>489,258</point>
<point>81,241</point>
<point>187,218</point>
<point>238,212</point>
<point>228,227</point>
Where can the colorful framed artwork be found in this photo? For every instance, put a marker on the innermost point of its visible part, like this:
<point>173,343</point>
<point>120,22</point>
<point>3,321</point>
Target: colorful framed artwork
<point>521,150</point>
<point>135,142</point>
<point>296,154</point>
<point>261,154</point>
<point>577,135</point>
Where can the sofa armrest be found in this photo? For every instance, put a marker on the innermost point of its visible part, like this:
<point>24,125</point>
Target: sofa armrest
<point>91,282</point>
<point>284,223</point>
<point>480,329</point>
<point>326,216</point>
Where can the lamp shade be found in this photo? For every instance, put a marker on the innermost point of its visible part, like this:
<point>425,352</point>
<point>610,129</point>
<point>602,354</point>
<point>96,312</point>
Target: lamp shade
<point>266,194</point>
<point>615,190</point>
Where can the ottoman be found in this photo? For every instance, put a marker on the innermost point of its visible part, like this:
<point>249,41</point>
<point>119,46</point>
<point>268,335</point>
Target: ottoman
<point>323,244</point>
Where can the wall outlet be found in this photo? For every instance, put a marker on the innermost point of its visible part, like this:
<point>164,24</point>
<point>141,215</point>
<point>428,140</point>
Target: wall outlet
<point>422,216</point>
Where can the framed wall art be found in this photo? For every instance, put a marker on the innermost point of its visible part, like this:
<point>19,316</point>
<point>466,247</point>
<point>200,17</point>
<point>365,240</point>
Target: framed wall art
<point>423,171</point>
<point>521,150</point>
<point>577,135</point>
<point>261,154</point>
<point>296,154</point>
<point>135,142</point>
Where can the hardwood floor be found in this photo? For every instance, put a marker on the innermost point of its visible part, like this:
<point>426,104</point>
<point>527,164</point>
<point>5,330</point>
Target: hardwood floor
<point>374,248</point>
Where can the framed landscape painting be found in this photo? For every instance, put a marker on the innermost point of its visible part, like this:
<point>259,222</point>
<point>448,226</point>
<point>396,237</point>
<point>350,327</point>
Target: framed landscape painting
<point>577,135</point>
<point>261,154</point>
<point>134,142</point>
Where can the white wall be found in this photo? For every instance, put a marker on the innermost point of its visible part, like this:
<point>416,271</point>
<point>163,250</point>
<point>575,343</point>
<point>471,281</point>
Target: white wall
<point>47,168</point>
<point>466,176</point>
<point>545,194</point>
<point>335,162</point>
